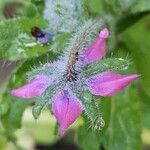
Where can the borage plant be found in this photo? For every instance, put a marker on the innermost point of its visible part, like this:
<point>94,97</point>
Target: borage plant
<point>61,84</point>
<point>60,49</point>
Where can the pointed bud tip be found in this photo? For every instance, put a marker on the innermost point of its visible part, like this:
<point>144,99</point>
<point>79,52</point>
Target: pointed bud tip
<point>16,94</point>
<point>104,33</point>
<point>12,92</point>
<point>110,83</point>
<point>135,76</point>
<point>33,88</point>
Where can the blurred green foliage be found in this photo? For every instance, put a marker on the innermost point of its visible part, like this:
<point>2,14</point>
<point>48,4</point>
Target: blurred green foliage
<point>124,122</point>
<point>16,42</point>
<point>127,113</point>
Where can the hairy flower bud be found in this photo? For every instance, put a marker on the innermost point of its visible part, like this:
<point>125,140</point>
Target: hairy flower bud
<point>64,84</point>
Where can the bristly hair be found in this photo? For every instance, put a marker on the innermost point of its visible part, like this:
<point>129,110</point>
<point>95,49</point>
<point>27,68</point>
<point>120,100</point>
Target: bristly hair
<point>94,114</point>
<point>81,39</point>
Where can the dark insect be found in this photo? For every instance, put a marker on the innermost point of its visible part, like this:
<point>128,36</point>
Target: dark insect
<point>41,36</point>
<point>37,32</point>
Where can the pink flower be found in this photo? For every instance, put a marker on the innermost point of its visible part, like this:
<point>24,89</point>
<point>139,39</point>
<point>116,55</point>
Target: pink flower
<point>97,50</point>
<point>109,83</point>
<point>66,106</point>
<point>32,89</point>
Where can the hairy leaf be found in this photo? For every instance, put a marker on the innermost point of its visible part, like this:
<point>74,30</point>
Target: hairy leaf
<point>139,35</point>
<point>125,124</point>
<point>16,42</point>
<point>12,108</point>
<point>109,64</point>
<point>141,6</point>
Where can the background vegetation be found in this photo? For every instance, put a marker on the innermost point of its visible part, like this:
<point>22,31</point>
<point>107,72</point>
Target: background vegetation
<point>126,115</point>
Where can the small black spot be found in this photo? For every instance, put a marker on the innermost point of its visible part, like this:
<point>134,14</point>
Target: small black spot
<point>77,55</point>
<point>37,32</point>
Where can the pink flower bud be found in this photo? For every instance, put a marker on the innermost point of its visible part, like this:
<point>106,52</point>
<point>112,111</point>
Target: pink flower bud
<point>109,83</point>
<point>66,108</point>
<point>98,49</point>
<point>33,88</point>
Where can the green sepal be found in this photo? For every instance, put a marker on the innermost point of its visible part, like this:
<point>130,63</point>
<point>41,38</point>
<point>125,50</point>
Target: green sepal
<point>92,111</point>
<point>109,64</point>
<point>86,96</point>
<point>36,110</point>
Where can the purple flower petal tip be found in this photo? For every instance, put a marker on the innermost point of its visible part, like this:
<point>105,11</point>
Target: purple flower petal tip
<point>33,88</point>
<point>104,33</point>
<point>66,108</point>
<point>45,39</point>
<point>109,83</point>
<point>97,50</point>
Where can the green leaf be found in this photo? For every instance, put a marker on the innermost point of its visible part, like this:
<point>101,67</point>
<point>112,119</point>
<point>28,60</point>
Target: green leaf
<point>125,7</point>
<point>127,13</point>
<point>94,7</point>
<point>12,119</point>
<point>139,36</point>
<point>11,116</point>
<point>86,139</point>
<point>109,64</point>
<point>141,6</point>
<point>28,10</point>
<point>145,103</point>
<point>16,42</point>
<point>40,5</point>
<point>4,108</point>
<point>128,20</point>
<point>124,129</point>
<point>119,7</point>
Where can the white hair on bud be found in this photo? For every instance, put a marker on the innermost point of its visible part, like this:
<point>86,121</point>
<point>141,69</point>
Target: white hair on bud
<point>81,39</point>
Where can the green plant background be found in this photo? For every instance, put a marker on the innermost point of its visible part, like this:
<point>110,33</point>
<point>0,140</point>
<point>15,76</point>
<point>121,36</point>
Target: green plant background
<point>127,115</point>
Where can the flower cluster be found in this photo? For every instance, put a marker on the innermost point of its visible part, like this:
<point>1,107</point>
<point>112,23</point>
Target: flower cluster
<point>70,81</point>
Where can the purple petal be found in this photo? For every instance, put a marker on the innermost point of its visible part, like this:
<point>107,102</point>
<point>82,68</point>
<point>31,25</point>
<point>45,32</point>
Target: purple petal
<point>66,108</point>
<point>109,83</point>
<point>33,88</point>
<point>98,49</point>
<point>45,39</point>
